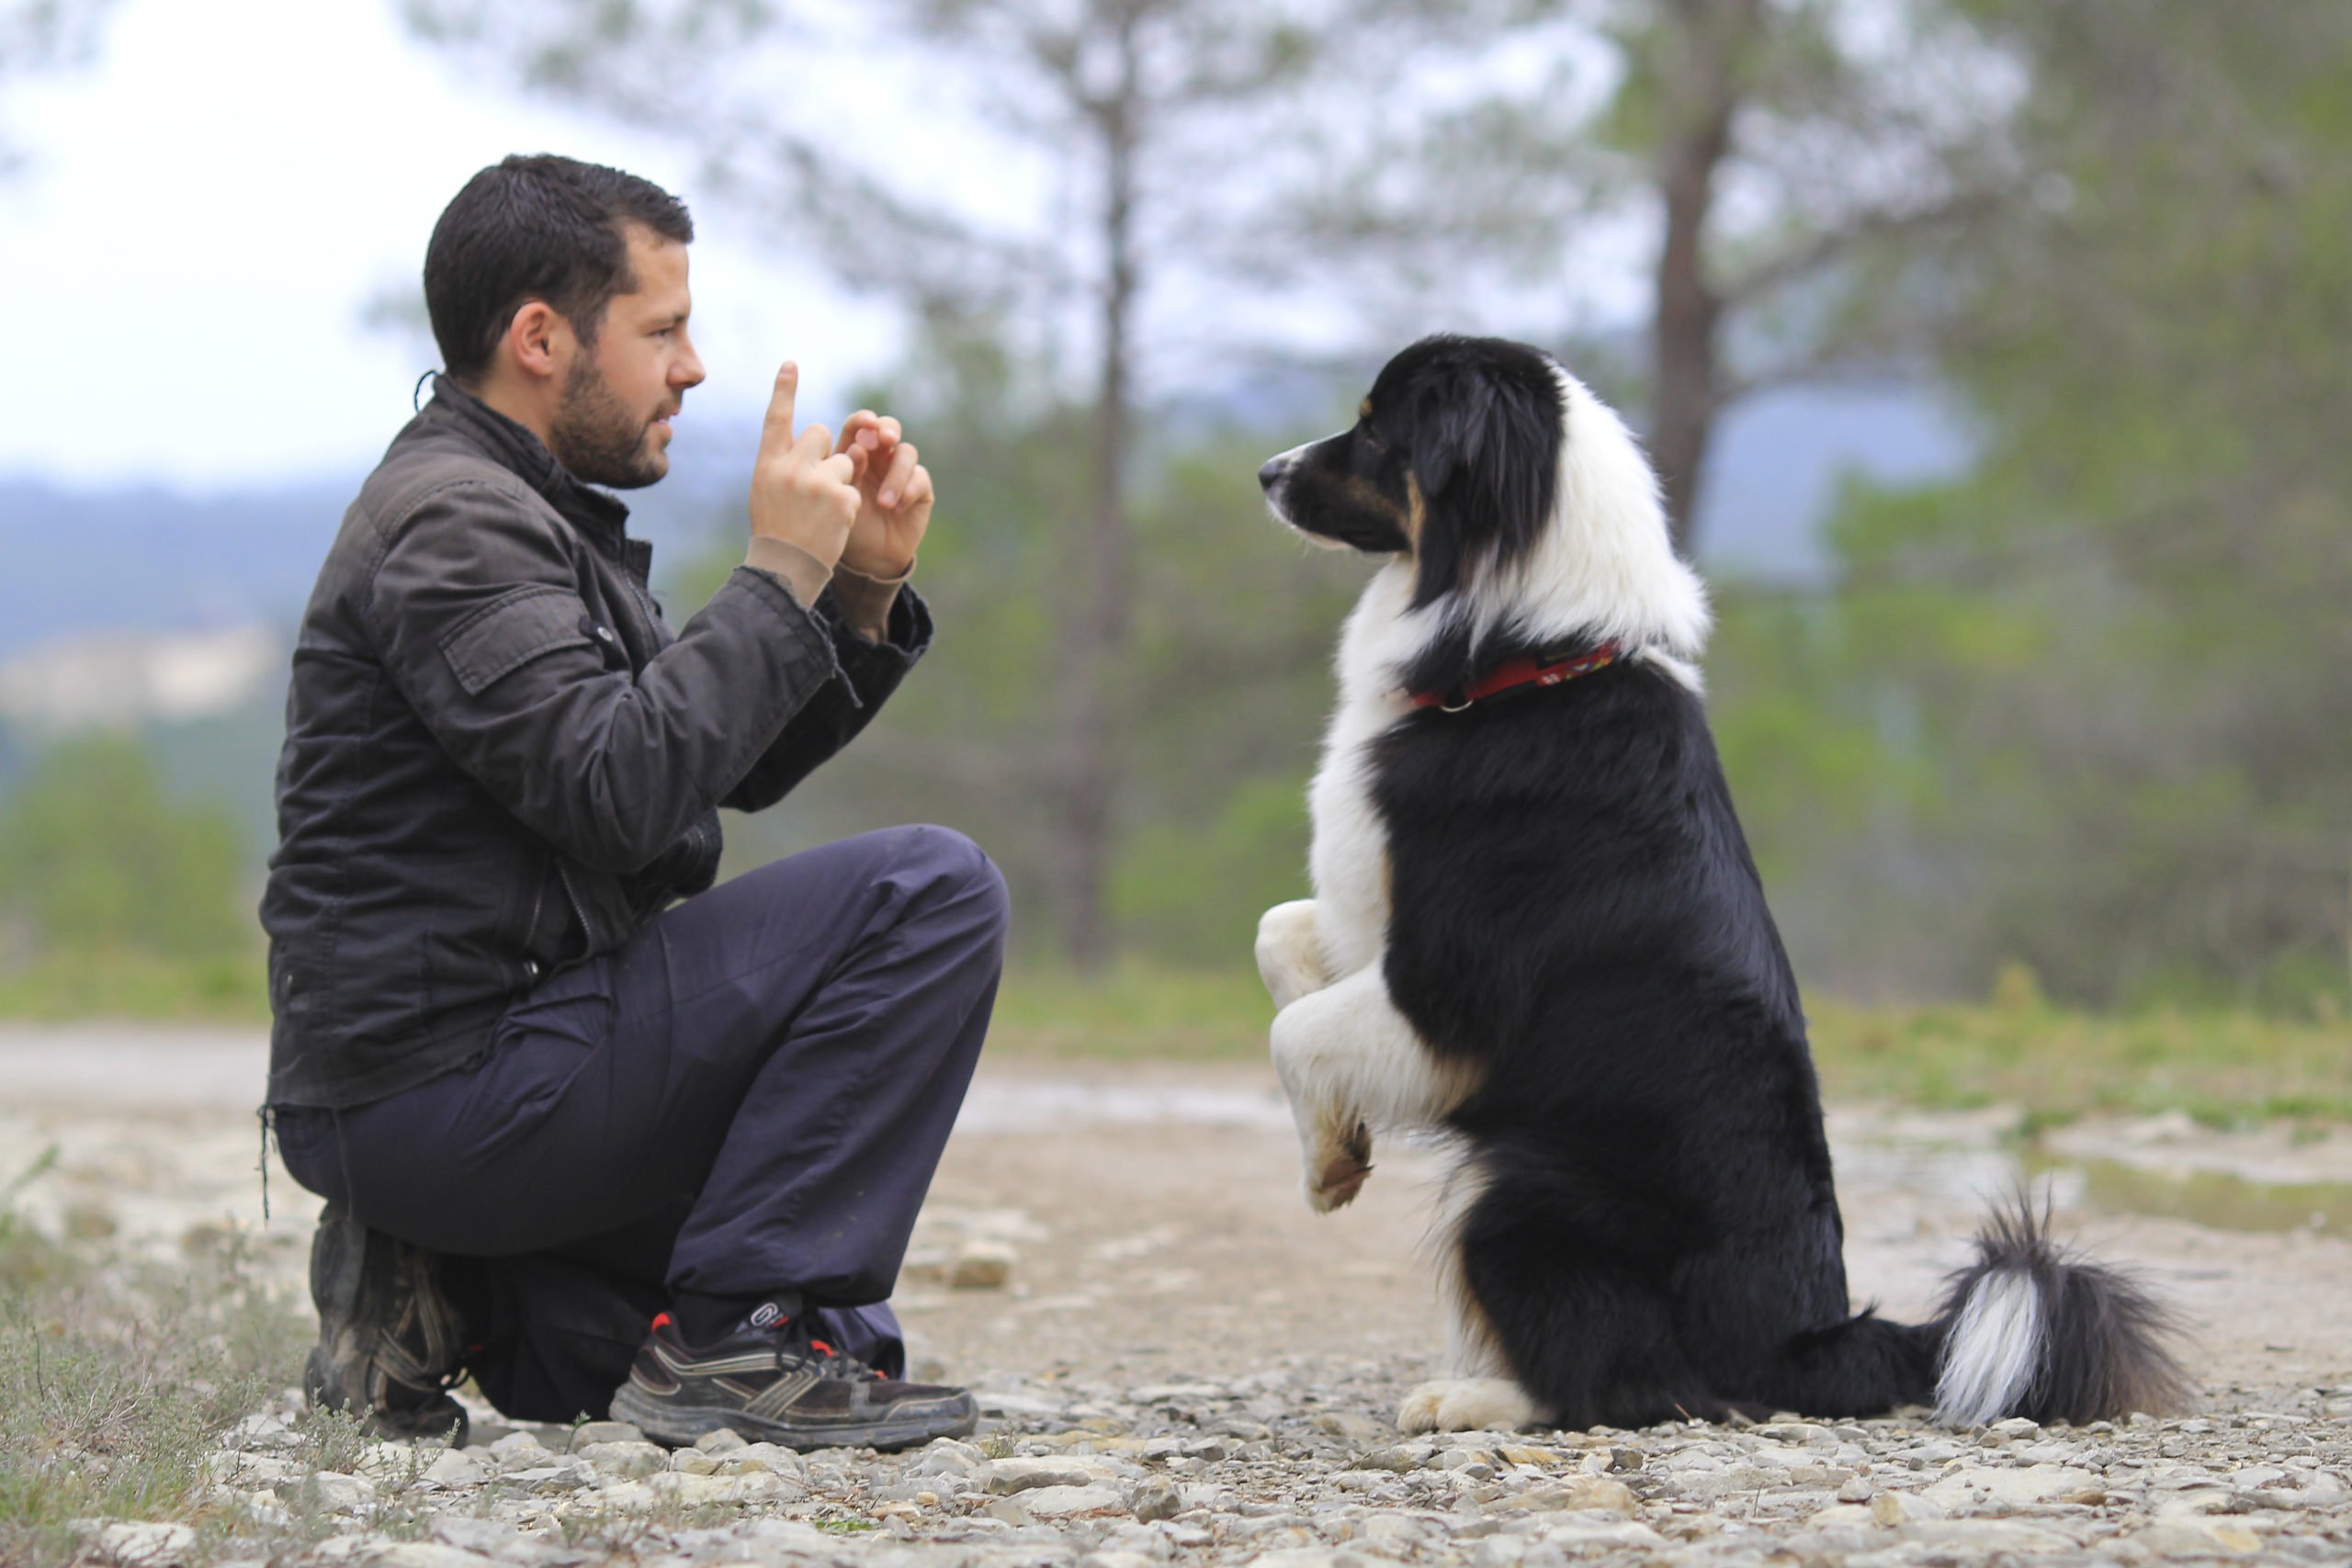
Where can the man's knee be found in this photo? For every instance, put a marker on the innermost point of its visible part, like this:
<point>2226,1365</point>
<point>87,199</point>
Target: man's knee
<point>959,876</point>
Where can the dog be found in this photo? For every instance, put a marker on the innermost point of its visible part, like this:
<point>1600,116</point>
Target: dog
<point>1537,928</point>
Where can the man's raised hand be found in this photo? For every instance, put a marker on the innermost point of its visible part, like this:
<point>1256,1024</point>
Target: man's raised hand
<point>897,493</point>
<point>803,492</point>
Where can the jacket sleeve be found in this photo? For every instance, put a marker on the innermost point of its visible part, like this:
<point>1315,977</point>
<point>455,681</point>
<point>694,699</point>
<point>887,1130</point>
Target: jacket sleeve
<point>475,606</point>
<point>870,670</point>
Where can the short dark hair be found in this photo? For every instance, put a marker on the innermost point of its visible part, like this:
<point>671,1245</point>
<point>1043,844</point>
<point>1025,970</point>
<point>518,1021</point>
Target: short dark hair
<point>537,226</point>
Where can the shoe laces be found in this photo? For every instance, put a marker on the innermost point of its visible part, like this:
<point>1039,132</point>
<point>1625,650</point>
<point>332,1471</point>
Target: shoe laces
<point>795,1342</point>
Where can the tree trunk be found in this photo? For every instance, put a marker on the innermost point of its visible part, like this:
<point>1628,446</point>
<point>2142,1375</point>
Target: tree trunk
<point>1096,643</point>
<point>1702,94</point>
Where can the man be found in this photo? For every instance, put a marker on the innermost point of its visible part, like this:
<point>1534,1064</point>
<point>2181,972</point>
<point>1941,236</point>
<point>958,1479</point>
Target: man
<point>599,1149</point>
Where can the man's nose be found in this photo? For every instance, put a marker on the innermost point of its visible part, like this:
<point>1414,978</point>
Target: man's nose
<point>687,371</point>
<point>1269,471</point>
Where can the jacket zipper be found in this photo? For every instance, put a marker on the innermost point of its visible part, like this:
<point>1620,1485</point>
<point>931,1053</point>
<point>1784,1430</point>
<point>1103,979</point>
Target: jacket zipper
<point>587,931</point>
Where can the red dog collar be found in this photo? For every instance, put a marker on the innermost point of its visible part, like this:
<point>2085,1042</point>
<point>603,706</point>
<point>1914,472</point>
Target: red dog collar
<point>1525,671</point>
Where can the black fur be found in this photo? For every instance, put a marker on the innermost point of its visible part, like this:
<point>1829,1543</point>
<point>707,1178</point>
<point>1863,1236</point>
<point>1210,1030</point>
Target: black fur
<point>1654,1231</point>
<point>1471,424</point>
<point>1575,907</point>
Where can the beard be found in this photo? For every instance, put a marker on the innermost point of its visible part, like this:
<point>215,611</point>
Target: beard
<point>596,436</point>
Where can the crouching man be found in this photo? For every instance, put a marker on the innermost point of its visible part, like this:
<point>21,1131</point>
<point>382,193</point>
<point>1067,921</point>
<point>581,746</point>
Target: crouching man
<point>607,1151</point>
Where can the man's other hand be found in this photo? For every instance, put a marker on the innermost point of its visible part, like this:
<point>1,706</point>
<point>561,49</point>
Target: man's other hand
<point>895,488</point>
<point>803,492</point>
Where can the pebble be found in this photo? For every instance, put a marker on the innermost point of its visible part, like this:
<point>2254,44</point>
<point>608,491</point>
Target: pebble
<point>146,1545</point>
<point>1308,1472</point>
<point>981,1265</point>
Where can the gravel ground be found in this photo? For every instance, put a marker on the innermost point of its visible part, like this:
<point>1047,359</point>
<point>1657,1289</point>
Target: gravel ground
<point>1181,1364</point>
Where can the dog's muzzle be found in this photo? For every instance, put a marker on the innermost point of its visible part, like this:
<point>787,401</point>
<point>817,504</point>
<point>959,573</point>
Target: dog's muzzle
<point>1272,475</point>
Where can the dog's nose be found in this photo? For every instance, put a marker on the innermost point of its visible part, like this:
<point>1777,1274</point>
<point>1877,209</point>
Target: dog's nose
<point>1269,471</point>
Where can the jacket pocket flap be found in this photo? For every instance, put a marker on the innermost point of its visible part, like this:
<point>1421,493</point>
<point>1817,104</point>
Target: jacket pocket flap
<point>510,631</point>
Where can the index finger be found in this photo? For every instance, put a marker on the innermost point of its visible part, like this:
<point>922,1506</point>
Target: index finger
<point>778,428</point>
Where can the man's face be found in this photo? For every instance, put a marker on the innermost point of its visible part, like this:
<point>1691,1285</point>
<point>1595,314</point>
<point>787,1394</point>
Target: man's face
<point>613,424</point>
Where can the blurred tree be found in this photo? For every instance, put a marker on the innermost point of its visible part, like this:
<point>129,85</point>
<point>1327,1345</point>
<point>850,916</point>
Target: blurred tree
<point>1789,162</point>
<point>2106,677</point>
<point>95,859</point>
<point>37,34</point>
<point>1132,123</point>
<point>1225,673</point>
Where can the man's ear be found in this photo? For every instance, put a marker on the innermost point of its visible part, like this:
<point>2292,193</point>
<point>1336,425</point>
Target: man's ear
<point>536,336</point>
<point>1486,454</point>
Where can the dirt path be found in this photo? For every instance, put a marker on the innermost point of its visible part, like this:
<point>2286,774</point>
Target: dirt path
<point>1154,1222</point>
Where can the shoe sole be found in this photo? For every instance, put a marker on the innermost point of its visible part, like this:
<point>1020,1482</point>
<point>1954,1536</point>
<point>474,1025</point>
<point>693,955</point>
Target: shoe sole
<point>679,1427</point>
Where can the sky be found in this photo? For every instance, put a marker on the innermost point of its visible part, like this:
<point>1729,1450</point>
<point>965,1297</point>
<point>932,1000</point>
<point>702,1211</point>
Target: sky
<point>210,206</point>
<point>212,203</point>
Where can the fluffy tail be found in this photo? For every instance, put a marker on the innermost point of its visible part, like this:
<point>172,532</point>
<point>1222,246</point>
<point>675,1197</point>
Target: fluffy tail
<point>2032,1328</point>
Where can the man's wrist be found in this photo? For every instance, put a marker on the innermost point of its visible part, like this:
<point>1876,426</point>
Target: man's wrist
<point>865,599</point>
<point>801,572</point>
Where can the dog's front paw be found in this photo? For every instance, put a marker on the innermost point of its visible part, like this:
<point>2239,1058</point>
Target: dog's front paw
<point>1337,1174</point>
<point>1466,1404</point>
<point>1289,953</point>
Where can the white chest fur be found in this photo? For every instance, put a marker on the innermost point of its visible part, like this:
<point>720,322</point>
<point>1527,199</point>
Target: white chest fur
<point>1349,858</point>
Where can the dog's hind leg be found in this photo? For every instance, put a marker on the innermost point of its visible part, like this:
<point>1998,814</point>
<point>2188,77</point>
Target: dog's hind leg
<point>1477,1391</point>
<point>1290,951</point>
<point>1350,1063</point>
<point>1580,1328</point>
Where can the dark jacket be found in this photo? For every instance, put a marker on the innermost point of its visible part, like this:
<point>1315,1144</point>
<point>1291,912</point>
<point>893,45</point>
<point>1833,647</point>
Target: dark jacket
<point>500,761</point>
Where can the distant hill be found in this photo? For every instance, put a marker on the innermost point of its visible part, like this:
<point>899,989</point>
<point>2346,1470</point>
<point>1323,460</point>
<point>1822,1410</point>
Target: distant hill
<point>154,561</point>
<point>145,559</point>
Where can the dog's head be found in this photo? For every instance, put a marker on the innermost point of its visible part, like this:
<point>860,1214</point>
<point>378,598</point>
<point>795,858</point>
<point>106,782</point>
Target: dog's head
<point>1454,460</point>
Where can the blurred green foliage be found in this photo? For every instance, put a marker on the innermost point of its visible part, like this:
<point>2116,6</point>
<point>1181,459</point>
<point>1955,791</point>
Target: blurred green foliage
<point>2090,705</point>
<point>95,859</point>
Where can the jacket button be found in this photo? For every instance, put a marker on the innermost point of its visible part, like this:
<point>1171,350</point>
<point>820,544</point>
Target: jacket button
<point>530,969</point>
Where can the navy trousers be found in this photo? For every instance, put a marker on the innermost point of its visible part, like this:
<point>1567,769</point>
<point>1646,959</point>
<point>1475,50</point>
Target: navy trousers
<point>747,1097</point>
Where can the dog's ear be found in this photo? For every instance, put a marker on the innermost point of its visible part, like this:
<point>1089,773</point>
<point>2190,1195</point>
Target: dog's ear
<point>1486,457</point>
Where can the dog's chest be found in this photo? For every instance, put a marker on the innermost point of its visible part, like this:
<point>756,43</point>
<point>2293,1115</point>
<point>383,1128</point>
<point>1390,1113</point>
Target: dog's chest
<point>1349,858</point>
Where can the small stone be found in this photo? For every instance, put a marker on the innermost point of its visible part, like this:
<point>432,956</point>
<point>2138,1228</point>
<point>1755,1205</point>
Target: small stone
<point>457,1467</point>
<point>630,1457</point>
<point>980,1266</point>
<point>1358,1430</point>
<point>424,1554</point>
<point>1596,1491</point>
<point>2003,1491</point>
<point>552,1478</point>
<point>1059,1502</point>
<point>146,1545</point>
<point>1006,1476</point>
<point>1156,1500</point>
<point>515,1445</point>
<point>770,1457</point>
<point>1855,1490</point>
<point>589,1433</point>
<point>1892,1510</point>
<point>2197,1538</point>
<point>725,1441</point>
<point>947,1457</point>
<point>342,1494</point>
<point>693,1461</point>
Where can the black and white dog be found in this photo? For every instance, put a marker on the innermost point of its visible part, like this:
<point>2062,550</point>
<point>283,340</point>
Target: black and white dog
<point>1536,926</point>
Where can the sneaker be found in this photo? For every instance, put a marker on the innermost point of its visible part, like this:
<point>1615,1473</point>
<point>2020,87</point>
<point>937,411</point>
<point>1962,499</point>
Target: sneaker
<point>776,1384</point>
<point>390,1342</point>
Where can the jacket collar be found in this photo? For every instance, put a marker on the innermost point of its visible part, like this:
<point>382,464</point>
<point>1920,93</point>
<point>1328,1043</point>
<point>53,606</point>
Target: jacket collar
<point>601,518</point>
